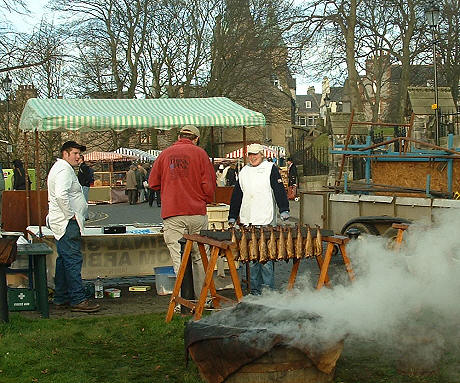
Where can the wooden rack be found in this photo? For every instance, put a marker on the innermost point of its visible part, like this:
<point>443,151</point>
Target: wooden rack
<point>399,237</point>
<point>216,248</point>
<point>323,264</point>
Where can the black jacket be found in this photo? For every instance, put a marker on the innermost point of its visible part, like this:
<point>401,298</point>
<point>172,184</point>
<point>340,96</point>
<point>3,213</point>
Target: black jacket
<point>19,182</point>
<point>292,175</point>
<point>85,175</point>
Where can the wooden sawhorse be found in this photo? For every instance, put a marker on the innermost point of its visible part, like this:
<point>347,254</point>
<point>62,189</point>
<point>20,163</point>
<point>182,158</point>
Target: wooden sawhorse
<point>402,227</point>
<point>216,247</point>
<point>323,264</point>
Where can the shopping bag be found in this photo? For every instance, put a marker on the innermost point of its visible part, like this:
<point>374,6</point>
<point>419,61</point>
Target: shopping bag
<point>292,192</point>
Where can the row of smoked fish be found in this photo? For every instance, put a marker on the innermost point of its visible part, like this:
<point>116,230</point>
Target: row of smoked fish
<point>276,244</point>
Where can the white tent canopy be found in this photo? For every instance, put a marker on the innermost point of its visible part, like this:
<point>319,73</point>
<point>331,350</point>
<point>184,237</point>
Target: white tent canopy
<point>269,152</point>
<point>141,155</point>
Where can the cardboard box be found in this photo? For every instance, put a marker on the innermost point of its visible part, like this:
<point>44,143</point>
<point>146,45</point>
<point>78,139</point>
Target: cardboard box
<point>112,293</point>
<point>139,288</point>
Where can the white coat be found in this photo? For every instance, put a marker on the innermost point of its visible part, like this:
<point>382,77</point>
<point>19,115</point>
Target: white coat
<point>65,199</point>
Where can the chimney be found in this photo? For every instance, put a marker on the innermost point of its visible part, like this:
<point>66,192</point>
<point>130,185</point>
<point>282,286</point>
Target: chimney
<point>311,90</point>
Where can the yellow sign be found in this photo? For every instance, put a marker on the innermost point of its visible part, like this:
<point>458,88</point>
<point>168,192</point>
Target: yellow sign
<point>434,106</point>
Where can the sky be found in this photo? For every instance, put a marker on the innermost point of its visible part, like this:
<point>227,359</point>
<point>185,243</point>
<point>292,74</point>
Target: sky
<point>25,23</point>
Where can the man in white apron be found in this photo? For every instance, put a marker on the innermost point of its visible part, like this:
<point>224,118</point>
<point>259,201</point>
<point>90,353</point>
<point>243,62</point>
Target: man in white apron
<point>259,186</point>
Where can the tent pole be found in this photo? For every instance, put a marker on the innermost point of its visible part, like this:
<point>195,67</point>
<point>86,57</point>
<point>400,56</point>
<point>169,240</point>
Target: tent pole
<point>212,144</point>
<point>26,160</point>
<point>37,179</point>
<point>245,149</point>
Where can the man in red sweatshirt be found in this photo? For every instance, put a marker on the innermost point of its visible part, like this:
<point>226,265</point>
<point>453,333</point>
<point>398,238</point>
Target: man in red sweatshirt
<point>186,178</point>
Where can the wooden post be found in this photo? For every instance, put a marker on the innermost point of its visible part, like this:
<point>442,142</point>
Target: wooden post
<point>347,140</point>
<point>37,178</point>
<point>245,149</point>
<point>26,160</point>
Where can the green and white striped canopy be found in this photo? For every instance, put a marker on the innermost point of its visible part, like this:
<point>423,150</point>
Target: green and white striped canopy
<point>103,114</point>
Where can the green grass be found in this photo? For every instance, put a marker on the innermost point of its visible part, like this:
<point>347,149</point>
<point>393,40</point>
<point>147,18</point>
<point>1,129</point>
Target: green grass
<point>141,348</point>
<point>145,349</point>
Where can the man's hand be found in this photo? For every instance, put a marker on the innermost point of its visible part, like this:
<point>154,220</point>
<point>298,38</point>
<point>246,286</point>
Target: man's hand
<point>285,215</point>
<point>231,221</point>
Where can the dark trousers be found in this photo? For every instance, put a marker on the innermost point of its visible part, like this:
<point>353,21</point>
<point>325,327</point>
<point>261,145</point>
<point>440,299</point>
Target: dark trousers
<point>132,196</point>
<point>154,195</point>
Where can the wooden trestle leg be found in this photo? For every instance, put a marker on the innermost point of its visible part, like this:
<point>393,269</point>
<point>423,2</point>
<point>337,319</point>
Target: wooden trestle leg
<point>323,264</point>
<point>216,247</point>
<point>402,227</point>
<point>179,278</point>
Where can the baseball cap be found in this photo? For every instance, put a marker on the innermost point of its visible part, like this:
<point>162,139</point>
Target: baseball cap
<point>190,129</point>
<point>255,148</point>
<point>72,145</point>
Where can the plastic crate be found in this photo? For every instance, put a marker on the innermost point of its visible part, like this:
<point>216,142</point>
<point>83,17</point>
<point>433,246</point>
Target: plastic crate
<point>165,279</point>
<point>218,216</point>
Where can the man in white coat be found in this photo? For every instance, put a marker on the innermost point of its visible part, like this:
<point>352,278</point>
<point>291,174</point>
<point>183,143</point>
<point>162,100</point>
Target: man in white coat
<point>259,186</point>
<point>67,209</point>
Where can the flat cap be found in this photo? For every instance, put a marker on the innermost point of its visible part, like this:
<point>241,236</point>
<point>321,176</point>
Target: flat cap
<point>255,148</point>
<point>190,129</point>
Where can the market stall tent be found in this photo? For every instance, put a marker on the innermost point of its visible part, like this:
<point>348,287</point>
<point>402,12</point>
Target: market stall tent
<point>269,152</point>
<point>45,115</point>
<point>107,157</point>
<point>118,114</point>
<point>138,154</point>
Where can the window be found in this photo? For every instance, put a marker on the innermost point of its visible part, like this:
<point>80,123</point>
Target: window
<point>311,121</point>
<point>276,81</point>
<point>301,121</point>
<point>308,104</point>
<point>144,138</point>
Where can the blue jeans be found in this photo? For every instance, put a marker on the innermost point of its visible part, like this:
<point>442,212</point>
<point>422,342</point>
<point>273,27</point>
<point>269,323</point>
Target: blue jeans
<point>262,275</point>
<point>67,277</point>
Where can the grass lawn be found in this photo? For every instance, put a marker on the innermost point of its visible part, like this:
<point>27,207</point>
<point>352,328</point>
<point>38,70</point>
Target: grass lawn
<point>145,349</point>
<point>134,349</point>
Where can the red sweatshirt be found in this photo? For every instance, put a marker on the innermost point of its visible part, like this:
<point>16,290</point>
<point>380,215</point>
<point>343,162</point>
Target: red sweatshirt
<point>186,178</point>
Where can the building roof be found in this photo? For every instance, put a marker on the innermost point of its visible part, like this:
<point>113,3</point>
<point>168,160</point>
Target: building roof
<point>421,99</point>
<point>419,75</point>
<point>315,101</point>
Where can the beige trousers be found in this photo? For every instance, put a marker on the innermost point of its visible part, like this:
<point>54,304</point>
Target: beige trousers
<point>174,229</point>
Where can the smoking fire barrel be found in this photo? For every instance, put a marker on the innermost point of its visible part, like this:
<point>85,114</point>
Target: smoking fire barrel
<point>232,346</point>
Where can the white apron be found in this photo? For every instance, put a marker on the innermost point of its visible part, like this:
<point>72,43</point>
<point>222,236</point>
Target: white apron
<point>257,204</point>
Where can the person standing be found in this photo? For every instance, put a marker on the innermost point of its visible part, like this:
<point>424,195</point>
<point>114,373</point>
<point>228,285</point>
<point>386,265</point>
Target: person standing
<point>231,175</point>
<point>2,188</point>
<point>19,176</point>
<point>131,185</point>
<point>141,176</point>
<point>186,178</point>
<point>220,176</point>
<point>67,209</point>
<point>259,186</point>
<point>85,177</point>
<point>292,179</point>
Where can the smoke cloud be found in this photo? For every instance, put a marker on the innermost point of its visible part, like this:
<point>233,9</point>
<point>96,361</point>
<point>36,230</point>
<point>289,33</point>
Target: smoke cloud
<point>396,295</point>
